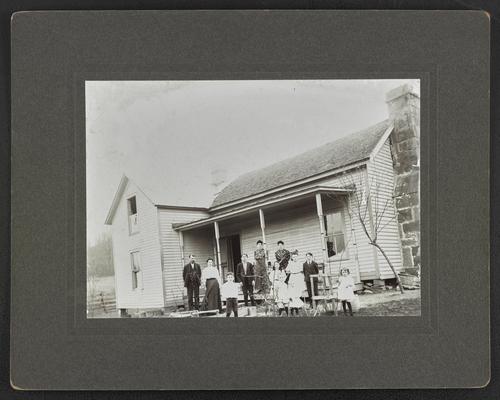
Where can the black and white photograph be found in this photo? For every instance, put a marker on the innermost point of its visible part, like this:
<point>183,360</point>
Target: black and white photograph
<point>253,198</point>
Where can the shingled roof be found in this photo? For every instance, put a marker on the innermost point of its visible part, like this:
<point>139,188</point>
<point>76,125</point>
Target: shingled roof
<point>337,154</point>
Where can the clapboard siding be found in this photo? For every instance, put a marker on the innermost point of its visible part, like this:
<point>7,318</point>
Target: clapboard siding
<point>381,179</point>
<point>360,251</point>
<point>298,226</point>
<point>149,293</point>
<point>198,242</point>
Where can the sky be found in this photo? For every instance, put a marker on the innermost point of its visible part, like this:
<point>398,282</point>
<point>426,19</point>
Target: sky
<point>173,134</point>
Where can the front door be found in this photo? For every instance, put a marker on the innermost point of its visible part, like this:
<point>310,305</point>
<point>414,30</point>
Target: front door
<point>230,253</point>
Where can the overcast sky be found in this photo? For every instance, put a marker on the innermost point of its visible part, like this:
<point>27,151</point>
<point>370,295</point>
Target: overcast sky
<point>175,133</point>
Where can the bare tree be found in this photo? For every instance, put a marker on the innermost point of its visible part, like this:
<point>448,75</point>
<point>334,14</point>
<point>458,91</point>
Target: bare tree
<point>91,291</point>
<point>371,210</point>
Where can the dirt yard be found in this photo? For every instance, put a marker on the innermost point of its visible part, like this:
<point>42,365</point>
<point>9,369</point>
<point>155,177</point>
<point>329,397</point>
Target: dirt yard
<point>386,303</point>
<point>390,303</point>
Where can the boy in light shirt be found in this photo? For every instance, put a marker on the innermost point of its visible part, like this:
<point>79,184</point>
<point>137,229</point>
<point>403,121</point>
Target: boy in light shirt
<point>229,292</point>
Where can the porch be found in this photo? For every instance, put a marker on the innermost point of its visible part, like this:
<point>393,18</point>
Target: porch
<point>314,219</point>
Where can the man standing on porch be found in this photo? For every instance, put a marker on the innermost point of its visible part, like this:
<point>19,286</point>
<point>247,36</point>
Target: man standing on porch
<point>310,267</point>
<point>246,275</point>
<point>192,281</point>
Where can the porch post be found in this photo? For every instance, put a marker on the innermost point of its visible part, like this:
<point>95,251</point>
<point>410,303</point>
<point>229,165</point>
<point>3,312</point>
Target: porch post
<point>353,230</point>
<point>263,228</point>
<point>181,243</point>
<point>217,244</point>
<point>319,208</point>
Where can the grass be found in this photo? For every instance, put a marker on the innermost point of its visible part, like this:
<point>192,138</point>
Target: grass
<point>390,303</point>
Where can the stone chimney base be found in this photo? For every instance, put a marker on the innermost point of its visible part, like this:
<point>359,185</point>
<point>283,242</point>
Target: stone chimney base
<point>404,112</point>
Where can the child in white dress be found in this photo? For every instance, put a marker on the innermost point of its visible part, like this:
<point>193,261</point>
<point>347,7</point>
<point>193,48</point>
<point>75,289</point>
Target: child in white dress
<point>296,283</point>
<point>346,290</point>
<point>281,295</point>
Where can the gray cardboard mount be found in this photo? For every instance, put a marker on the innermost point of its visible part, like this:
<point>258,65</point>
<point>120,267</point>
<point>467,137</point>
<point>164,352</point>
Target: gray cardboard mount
<point>54,346</point>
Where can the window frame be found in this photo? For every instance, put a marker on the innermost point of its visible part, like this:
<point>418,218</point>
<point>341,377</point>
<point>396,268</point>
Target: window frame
<point>135,272</point>
<point>338,208</point>
<point>131,230</point>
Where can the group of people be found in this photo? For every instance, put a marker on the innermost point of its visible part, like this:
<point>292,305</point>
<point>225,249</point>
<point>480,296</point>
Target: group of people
<point>285,281</point>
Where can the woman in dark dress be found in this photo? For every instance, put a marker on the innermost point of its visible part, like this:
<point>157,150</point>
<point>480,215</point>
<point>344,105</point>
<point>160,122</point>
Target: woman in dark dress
<point>282,255</point>
<point>210,278</point>
<point>261,278</point>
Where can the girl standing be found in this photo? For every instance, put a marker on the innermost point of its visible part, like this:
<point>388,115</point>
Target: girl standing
<point>296,284</point>
<point>280,291</point>
<point>346,290</point>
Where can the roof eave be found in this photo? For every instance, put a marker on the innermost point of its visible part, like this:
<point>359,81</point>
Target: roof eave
<point>381,141</point>
<point>116,199</point>
<point>184,208</point>
<point>258,205</point>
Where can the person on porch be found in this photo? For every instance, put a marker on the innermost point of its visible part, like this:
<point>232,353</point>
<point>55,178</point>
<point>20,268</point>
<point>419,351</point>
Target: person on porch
<point>310,267</point>
<point>280,293</point>
<point>261,279</point>
<point>229,292</point>
<point>296,283</point>
<point>282,255</point>
<point>210,279</point>
<point>192,280</point>
<point>246,275</point>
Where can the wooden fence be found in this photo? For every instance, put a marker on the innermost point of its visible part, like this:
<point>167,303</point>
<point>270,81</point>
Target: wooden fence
<point>101,303</point>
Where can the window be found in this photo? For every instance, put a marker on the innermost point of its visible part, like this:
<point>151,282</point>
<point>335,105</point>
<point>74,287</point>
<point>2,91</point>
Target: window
<point>133,226</point>
<point>136,268</point>
<point>335,237</point>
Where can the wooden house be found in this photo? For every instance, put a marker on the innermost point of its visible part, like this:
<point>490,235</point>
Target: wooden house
<point>307,201</point>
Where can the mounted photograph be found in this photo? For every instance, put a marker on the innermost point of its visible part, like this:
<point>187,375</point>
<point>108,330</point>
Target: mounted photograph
<point>253,198</point>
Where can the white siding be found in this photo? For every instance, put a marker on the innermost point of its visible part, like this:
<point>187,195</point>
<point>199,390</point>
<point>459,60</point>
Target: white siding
<point>298,226</point>
<point>381,178</point>
<point>149,293</point>
<point>360,251</point>
<point>199,242</point>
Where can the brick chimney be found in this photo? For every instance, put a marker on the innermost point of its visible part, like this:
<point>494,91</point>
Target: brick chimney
<point>404,112</point>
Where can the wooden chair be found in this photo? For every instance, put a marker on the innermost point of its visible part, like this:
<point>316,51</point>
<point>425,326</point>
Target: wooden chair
<point>327,293</point>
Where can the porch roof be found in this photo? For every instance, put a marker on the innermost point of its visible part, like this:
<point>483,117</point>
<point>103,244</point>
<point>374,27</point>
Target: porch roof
<point>262,204</point>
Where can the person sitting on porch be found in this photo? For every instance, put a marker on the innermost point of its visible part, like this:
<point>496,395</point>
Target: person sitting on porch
<point>210,278</point>
<point>282,255</point>
<point>261,278</point>
<point>296,283</point>
<point>229,292</point>
<point>246,275</point>
<point>309,268</point>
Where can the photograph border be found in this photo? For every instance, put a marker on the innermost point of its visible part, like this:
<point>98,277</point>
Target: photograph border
<point>82,339</point>
<point>81,324</point>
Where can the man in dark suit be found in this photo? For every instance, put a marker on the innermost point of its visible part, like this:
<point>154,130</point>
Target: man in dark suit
<point>192,281</point>
<point>309,268</point>
<point>246,275</point>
